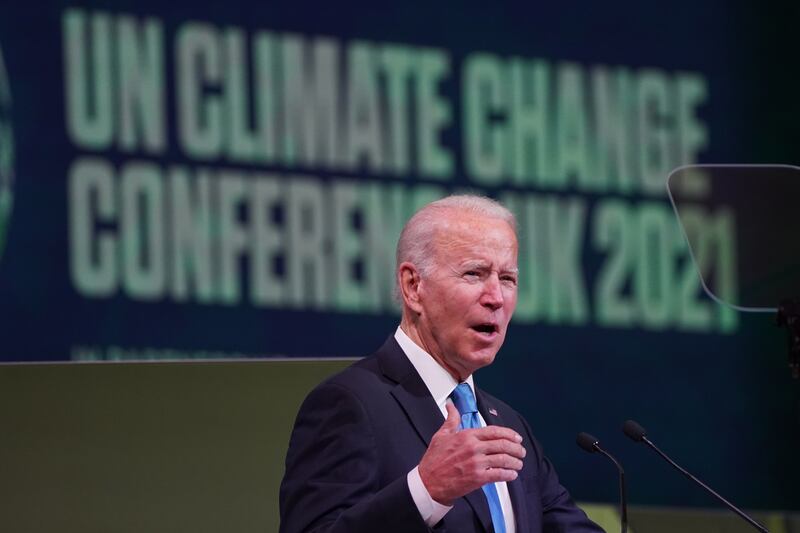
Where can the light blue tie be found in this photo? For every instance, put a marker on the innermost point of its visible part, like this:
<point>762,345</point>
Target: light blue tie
<point>465,403</point>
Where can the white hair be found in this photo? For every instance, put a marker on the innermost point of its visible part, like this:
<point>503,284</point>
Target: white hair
<point>416,243</point>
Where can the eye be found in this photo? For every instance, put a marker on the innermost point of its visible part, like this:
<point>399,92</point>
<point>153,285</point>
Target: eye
<point>509,279</point>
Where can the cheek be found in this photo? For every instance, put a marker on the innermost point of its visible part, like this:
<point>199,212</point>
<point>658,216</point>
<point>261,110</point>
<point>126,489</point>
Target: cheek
<point>458,303</point>
<point>510,297</point>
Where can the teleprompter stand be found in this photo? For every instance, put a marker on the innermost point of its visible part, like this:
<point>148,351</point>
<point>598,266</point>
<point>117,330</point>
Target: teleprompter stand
<point>789,317</point>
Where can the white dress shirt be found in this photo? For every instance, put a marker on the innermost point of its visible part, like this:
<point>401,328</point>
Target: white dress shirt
<point>441,384</point>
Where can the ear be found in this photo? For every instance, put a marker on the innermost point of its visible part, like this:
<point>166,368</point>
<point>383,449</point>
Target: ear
<point>409,280</point>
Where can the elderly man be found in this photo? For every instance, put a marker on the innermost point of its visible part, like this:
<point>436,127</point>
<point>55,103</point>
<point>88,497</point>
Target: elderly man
<point>402,440</point>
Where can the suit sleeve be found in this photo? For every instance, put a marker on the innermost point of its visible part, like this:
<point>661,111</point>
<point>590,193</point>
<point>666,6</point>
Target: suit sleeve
<point>560,514</point>
<point>332,480</point>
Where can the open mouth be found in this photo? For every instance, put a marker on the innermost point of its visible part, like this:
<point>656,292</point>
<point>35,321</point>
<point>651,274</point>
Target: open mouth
<point>486,329</point>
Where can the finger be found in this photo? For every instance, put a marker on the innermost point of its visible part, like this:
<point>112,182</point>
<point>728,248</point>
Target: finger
<point>494,475</point>
<point>502,461</point>
<point>453,419</point>
<point>507,447</point>
<point>497,432</point>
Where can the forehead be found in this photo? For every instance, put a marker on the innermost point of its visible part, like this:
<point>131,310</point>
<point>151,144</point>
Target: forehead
<point>467,236</point>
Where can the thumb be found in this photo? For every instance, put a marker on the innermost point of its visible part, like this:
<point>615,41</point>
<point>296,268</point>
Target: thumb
<point>453,419</point>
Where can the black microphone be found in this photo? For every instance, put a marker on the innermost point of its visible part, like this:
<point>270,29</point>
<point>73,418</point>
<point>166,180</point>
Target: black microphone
<point>638,434</point>
<point>591,445</point>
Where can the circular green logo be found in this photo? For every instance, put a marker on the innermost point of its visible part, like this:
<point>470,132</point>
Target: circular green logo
<point>6,154</point>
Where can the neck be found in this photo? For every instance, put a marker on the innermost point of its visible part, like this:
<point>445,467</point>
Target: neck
<point>410,329</point>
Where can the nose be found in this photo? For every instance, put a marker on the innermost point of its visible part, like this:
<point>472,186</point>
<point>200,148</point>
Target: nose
<point>492,296</point>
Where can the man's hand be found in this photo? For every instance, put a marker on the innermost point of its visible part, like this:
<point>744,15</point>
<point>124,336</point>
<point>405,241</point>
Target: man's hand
<point>458,462</point>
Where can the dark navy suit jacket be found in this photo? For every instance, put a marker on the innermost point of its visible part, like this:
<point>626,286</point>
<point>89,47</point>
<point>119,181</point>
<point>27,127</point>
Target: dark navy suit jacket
<point>359,433</point>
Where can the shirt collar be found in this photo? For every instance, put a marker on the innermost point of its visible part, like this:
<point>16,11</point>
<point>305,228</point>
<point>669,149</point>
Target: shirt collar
<point>438,380</point>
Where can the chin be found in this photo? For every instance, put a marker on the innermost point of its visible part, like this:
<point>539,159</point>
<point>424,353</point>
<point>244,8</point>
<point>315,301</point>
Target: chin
<point>480,360</point>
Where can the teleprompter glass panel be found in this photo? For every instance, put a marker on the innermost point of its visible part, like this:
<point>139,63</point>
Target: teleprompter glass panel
<point>741,223</point>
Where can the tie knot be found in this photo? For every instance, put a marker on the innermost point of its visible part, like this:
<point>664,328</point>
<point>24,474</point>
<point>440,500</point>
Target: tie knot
<point>464,399</point>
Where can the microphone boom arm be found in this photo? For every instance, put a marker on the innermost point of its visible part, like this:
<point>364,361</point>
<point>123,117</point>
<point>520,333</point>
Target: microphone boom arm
<point>683,471</point>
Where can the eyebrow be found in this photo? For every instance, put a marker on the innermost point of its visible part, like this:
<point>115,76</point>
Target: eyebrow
<point>480,265</point>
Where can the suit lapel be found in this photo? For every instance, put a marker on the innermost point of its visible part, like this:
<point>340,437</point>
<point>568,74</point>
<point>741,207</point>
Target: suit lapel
<point>410,391</point>
<point>416,401</point>
<point>420,408</point>
<point>494,417</point>
<point>477,500</point>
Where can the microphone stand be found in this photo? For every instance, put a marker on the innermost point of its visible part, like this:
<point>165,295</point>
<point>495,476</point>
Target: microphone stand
<point>623,500</point>
<point>590,444</point>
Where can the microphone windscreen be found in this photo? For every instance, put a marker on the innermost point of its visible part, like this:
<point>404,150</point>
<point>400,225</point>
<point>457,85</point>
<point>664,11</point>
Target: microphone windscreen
<point>634,430</point>
<point>587,442</point>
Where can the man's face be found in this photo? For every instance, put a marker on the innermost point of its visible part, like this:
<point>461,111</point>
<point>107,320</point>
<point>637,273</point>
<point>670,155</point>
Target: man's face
<point>467,300</point>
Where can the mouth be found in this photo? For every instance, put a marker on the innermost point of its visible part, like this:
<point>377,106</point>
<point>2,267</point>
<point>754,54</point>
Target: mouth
<point>486,329</point>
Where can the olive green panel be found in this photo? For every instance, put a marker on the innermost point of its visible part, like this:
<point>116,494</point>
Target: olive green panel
<point>136,448</point>
<point>671,520</point>
<point>642,519</point>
